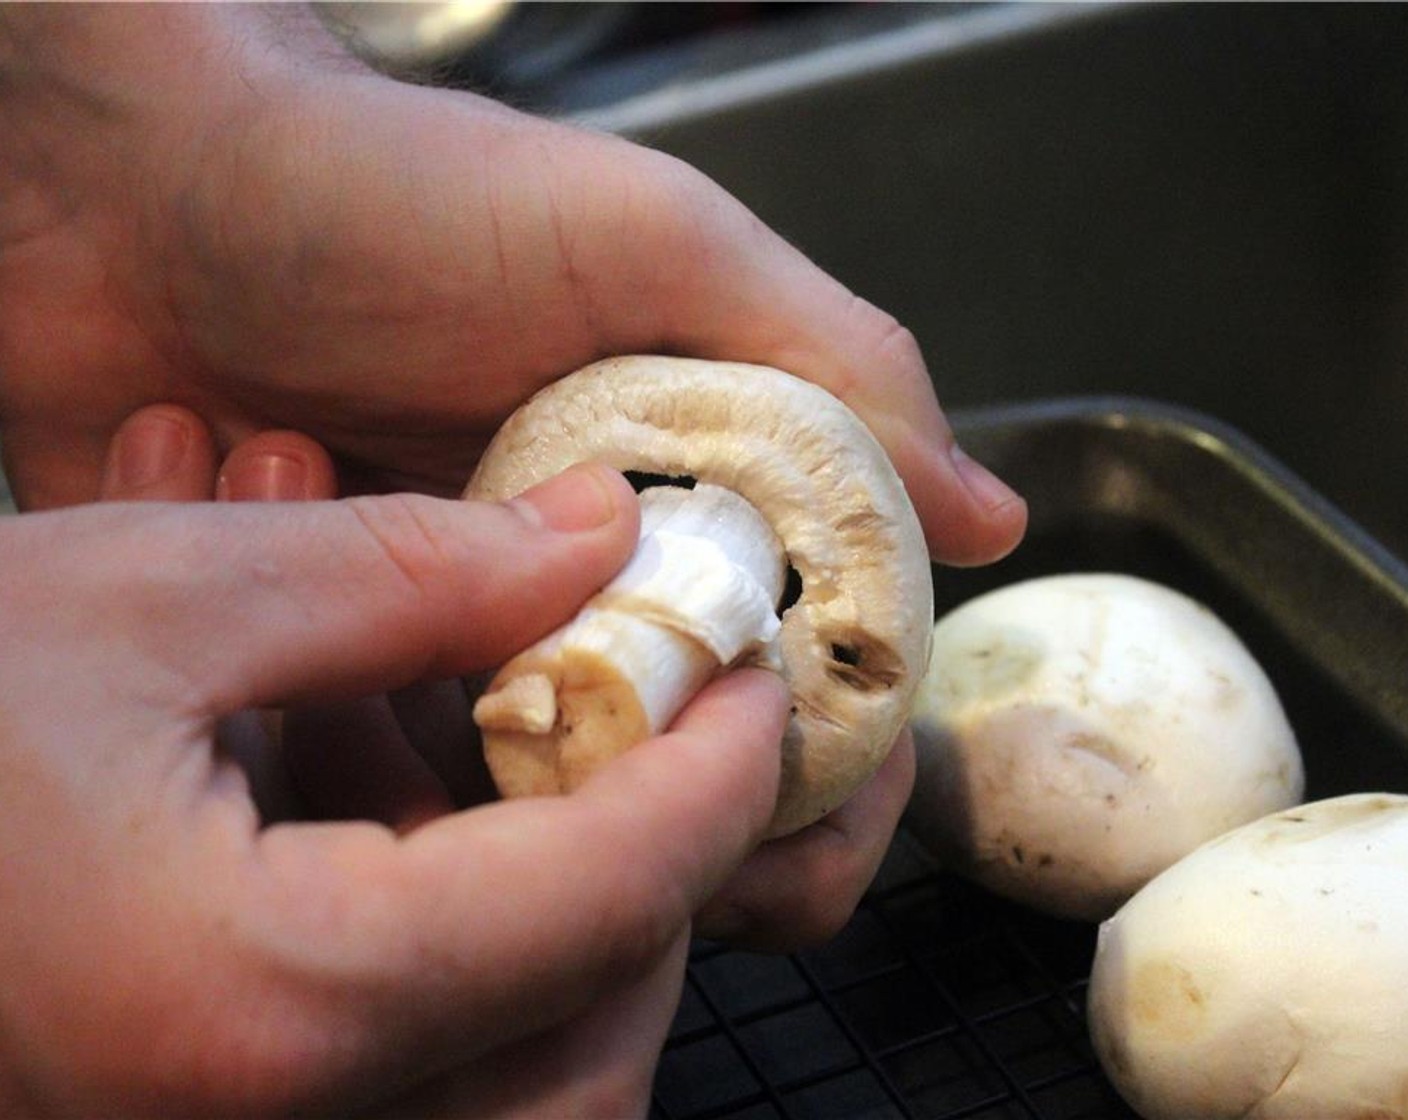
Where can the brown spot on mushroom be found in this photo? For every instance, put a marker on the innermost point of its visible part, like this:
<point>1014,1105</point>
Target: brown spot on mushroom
<point>862,662</point>
<point>1227,697</point>
<point>1166,998</point>
<point>1329,817</point>
<point>1101,748</point>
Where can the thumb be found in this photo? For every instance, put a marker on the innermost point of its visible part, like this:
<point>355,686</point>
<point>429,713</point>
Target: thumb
<point>235,606</point>
<point>375,593</point>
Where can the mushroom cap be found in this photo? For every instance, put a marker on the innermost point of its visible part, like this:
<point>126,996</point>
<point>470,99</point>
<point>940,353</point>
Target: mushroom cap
<point>1078,733</point>
<point>855,644</point>
<point>1263,975</point>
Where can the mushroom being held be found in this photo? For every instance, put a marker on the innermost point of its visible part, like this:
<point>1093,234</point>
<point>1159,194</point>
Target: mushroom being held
<point>1266,975</point>
<point>771,473</point>
<point>1077,734</point>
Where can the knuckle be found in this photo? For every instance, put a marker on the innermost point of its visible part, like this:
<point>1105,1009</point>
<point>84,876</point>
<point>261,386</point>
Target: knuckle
<point>402,530</point>
<point>689,213</point>
<point>894,345</point>
<point>898,346</point>
<point>893,362</point>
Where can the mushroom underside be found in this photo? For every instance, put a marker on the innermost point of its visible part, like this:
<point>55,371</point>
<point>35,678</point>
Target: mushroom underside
<point>854,627</point>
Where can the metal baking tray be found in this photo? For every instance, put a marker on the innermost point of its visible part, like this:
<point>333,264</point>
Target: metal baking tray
<point>941,1001</point>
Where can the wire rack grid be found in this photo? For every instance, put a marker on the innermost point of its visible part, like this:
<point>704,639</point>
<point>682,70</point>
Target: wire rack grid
<point>936,1002</point>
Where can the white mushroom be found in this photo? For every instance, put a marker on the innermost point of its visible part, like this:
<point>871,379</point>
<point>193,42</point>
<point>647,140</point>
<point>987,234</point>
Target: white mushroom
<point>1266,975</point>
<point>783,476</point>
<point>1079,733</point>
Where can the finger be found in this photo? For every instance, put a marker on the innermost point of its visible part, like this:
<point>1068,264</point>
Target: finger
<point>800,890</point>
<point>160,453</point>
<point>591,888</point>
<point>233,606</point>
<point>277,466</point>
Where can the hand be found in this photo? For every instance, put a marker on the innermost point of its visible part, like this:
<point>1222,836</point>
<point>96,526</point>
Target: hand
<point>790,893</point>
<point>166,955</point>
<point>213,204</point>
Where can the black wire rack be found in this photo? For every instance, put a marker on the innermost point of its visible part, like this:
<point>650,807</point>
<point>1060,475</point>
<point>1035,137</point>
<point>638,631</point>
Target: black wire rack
<point>936,1001</point>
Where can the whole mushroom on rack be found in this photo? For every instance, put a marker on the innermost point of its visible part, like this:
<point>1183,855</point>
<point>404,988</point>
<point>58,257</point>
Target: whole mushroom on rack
<point>1078,733</point>
<point>1262,976</point>
<point>772,488</point>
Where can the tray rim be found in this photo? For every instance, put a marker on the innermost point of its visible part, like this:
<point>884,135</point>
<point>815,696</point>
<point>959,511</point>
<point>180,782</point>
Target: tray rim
<point>1210,435</point>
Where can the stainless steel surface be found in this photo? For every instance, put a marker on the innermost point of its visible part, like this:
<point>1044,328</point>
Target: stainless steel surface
<point>940,1001</point>
<point>1206,204</point>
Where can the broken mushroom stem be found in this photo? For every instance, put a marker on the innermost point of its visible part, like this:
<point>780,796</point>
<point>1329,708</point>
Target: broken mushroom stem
<point>700,593</point>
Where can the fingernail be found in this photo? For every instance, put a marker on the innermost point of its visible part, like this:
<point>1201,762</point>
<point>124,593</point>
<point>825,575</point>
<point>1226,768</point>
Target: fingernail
<point>265,478</point>
<point>150,448</point>
<point>579,499</point>
<point>990,491</point>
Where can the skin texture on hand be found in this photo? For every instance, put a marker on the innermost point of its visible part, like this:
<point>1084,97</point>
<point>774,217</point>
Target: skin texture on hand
<point>211,204</point>
<point>525,957</point>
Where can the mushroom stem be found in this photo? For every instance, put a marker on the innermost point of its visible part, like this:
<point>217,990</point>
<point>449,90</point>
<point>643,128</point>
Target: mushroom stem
<point>699,593</point>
